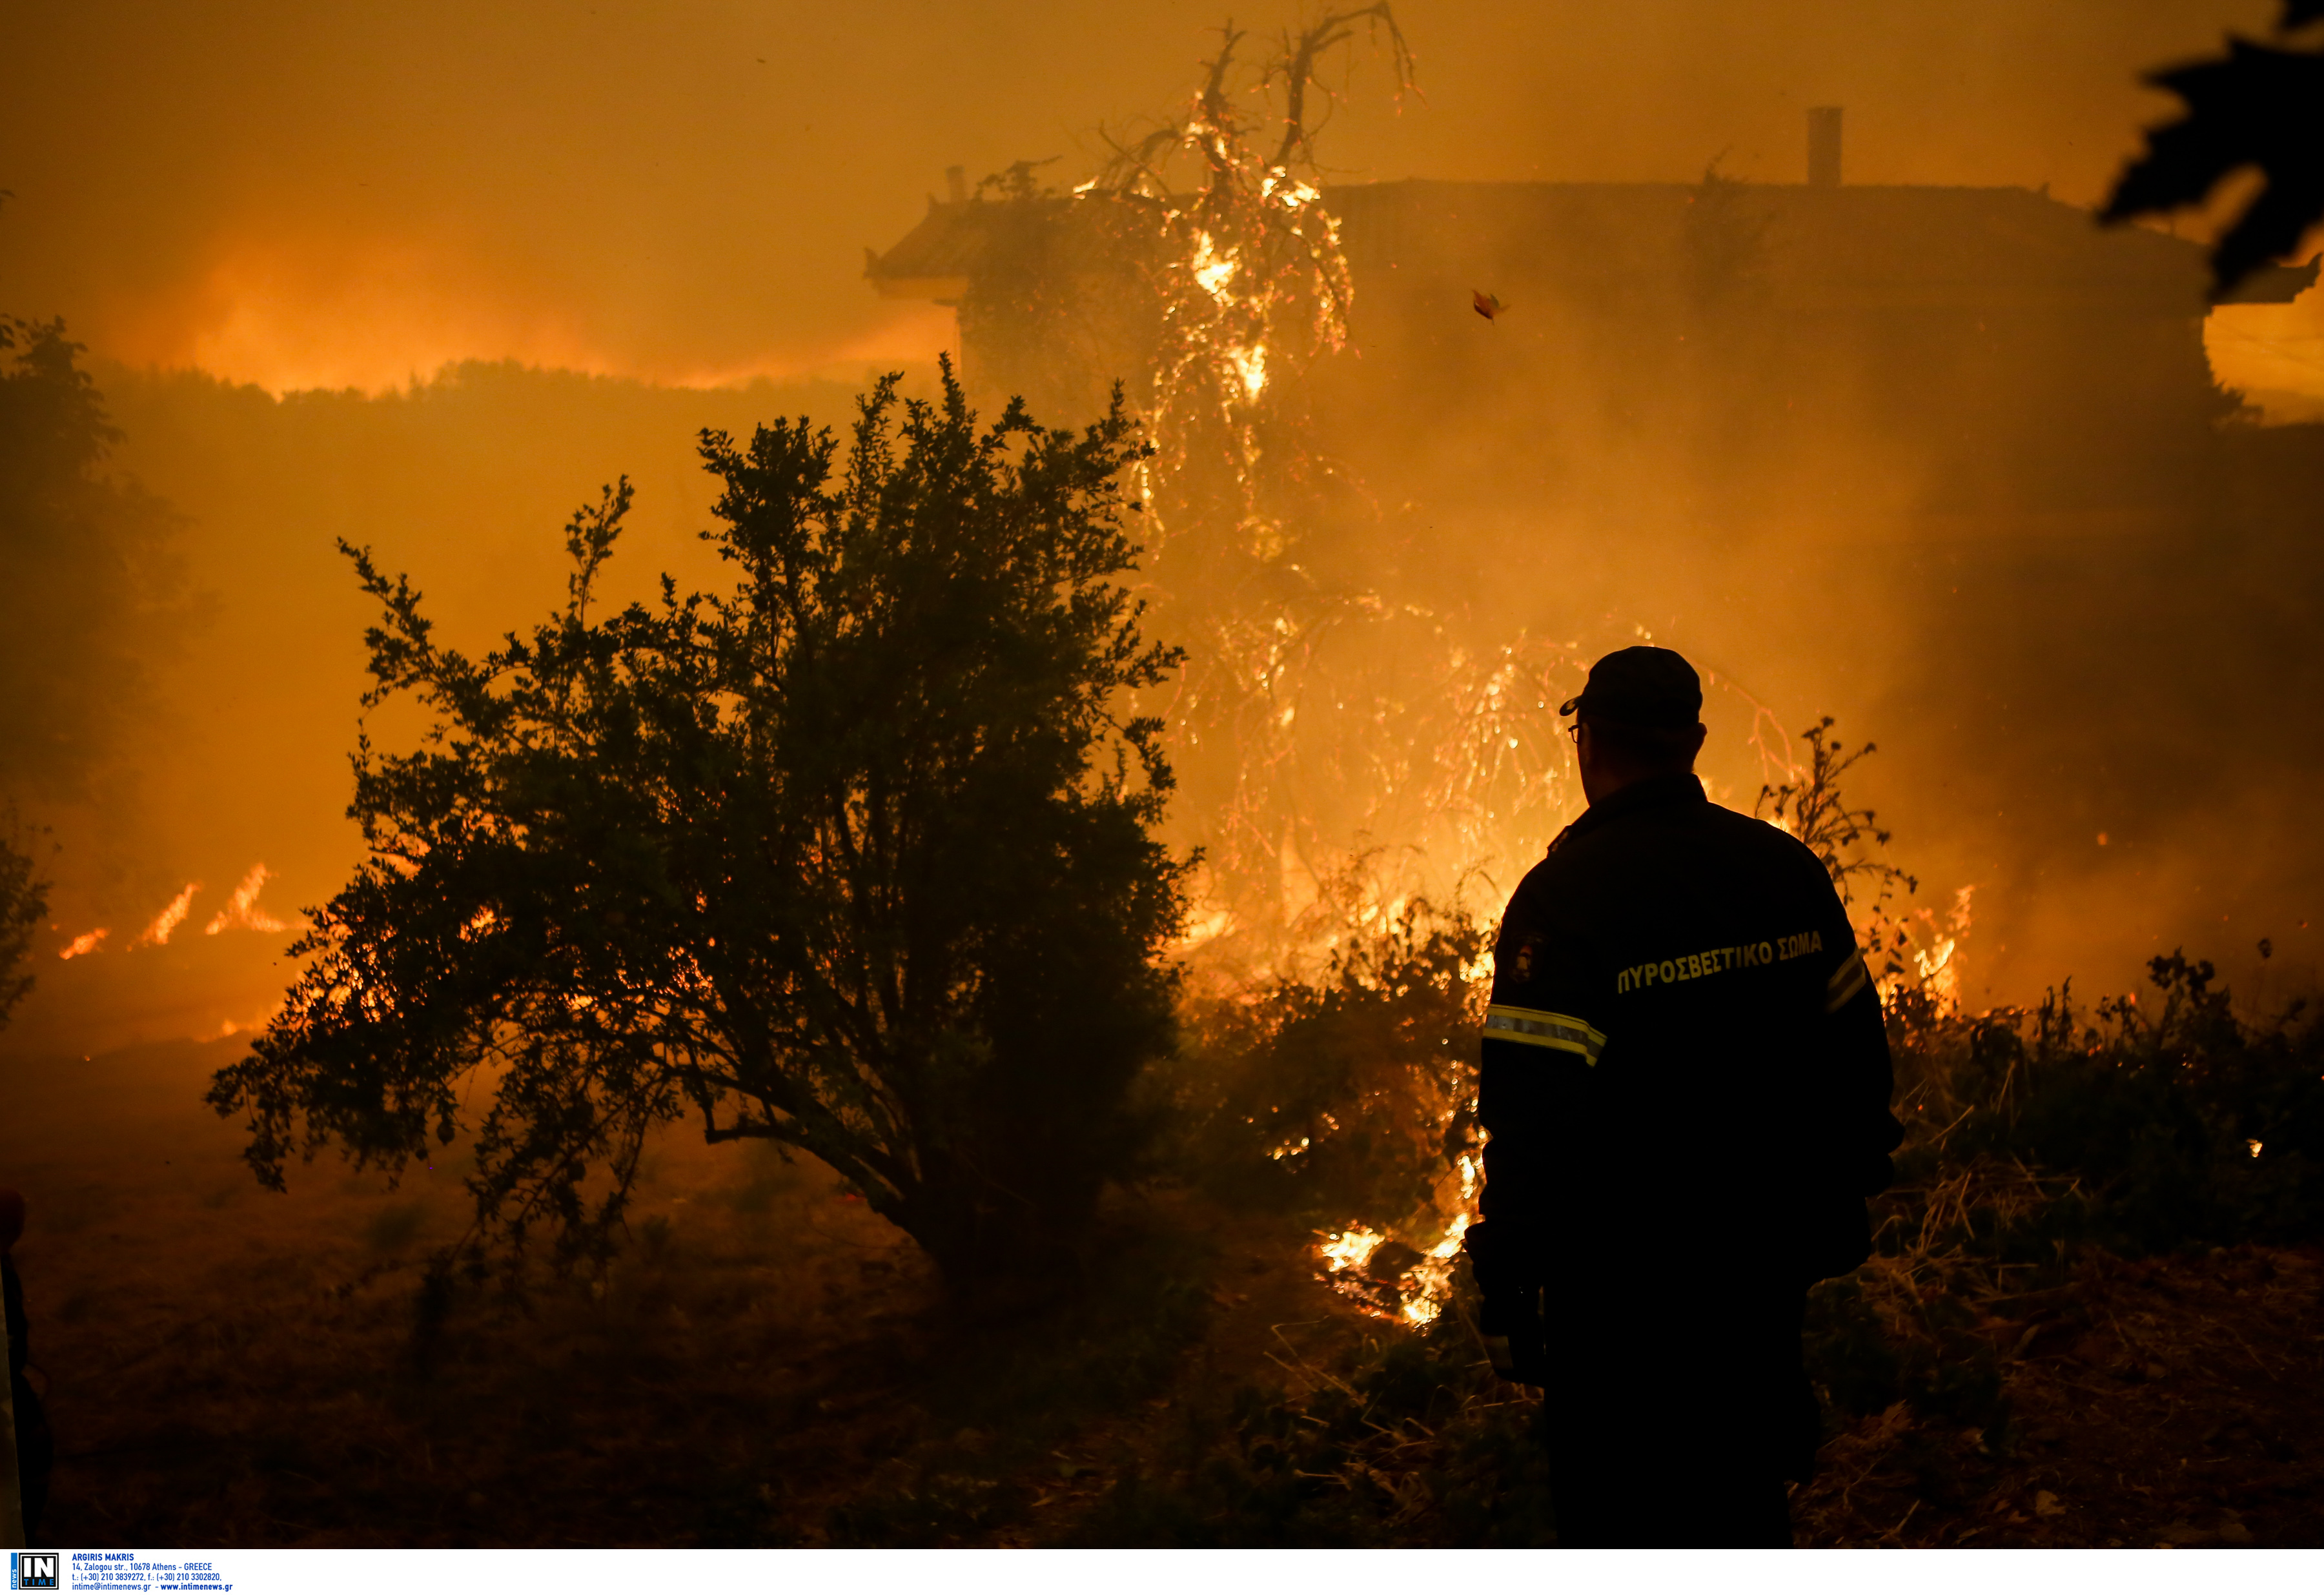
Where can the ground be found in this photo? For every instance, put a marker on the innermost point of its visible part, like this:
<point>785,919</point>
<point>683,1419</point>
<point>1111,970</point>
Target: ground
<point>770,1363</point>
<point>2169,1401</point>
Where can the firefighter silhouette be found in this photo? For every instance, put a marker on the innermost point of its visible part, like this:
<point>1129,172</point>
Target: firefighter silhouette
<point>1685,1083</point>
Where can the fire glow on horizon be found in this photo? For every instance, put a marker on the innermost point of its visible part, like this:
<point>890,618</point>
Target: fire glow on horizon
<point>383,318</point>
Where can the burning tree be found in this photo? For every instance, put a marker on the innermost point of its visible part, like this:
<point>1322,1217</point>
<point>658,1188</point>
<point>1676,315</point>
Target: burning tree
<point>1302,692</point>
<point>1246,271</point>
<point>856,858</point>
<point>1201,264</point>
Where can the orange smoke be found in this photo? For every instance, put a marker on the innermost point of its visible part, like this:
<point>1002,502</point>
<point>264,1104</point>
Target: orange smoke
<point>371,316</point>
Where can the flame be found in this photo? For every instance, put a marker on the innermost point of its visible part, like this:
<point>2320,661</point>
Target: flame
<point>1420,1297</point>
<point>1349,1250</point>
<point>1289,191</point>
<point>1249,367</point>
<point>257,1022</point>
<point>167,921</point>
<point>1934,961</point>
<point>1431,1279</point>
<point>242,911</point>
<point>87,941</point>
<point>1207,925</point>
<point>1212,269</point>
<point>2254,1147</point>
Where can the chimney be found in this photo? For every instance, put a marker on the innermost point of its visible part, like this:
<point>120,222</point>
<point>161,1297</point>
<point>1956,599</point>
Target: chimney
<point>956,177</point>
<point>1823,146</point>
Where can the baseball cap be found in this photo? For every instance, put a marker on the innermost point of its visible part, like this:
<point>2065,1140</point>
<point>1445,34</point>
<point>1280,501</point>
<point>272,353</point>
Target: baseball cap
<point>1650,687</point>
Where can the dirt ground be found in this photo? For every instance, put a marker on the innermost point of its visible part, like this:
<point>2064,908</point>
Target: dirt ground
<point>2165,1402</point>
<point>770,1363</point>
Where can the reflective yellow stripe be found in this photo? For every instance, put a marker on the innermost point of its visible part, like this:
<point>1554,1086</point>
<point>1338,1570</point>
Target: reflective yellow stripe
<point>1530,1026</point>
<point>1846,982</point>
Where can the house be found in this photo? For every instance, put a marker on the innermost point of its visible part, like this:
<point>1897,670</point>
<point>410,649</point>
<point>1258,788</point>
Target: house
<point>1879,357</point>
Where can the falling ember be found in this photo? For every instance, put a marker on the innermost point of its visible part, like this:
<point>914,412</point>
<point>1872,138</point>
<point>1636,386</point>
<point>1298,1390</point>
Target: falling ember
<point>2255,1148</point>
<point>242,911</point>
<point>166,922</point>
<point>87,941</point>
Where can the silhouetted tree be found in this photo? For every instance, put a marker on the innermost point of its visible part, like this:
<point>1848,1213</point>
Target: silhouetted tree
<point>2255,107</point>
<point>83,569</point>
<point>855,857</point>
<point>23,898</point>
<point>82,604</point>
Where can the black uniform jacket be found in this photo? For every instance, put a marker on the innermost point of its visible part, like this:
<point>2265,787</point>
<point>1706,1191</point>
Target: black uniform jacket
<point>1685,1072</point>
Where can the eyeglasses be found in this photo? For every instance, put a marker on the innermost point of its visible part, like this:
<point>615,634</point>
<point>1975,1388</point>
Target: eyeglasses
<point>1575,731</point>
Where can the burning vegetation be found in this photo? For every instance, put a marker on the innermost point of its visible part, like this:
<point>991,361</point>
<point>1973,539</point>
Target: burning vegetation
<point>874,862</point>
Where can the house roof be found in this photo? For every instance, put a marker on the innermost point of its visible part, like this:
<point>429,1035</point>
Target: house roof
<point>1854,247</point>
<point>937,259</point>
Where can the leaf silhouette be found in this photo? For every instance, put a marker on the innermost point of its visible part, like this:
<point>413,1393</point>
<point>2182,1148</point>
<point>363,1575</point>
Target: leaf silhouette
<point>2257,108</point>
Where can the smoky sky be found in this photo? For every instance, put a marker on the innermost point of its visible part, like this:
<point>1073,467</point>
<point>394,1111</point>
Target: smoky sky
<point>303,195</point>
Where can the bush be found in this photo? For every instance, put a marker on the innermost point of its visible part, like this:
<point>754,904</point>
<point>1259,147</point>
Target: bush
<point>2181,1124</point>
<point>856,856</point>
<point>1408,1442</point>
<point>1351,1097</point>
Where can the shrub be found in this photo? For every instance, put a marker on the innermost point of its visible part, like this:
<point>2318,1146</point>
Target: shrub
<point>856,856</point>
<point>1353,1096</point>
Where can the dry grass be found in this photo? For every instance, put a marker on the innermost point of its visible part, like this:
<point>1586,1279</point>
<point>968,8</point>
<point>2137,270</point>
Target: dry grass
<point>769,1364</point>
<point>2173,1401</point>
